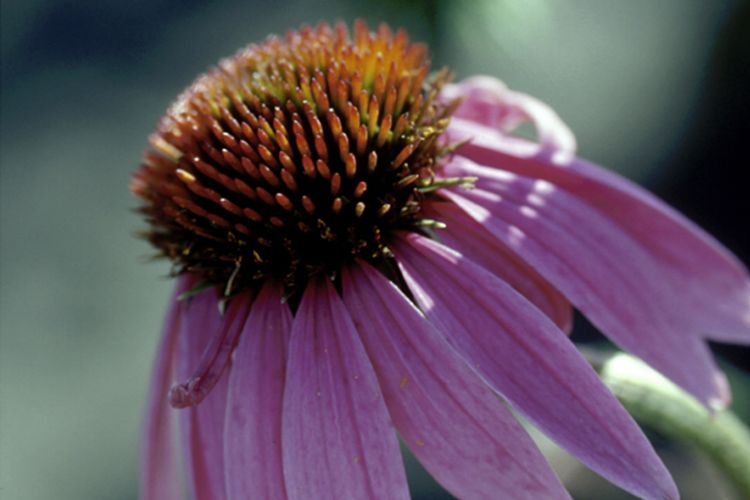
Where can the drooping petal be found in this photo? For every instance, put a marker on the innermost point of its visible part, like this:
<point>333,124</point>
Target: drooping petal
<point>214,360</point>
<point>457,428</point>
<point>337,438</point>
<point>202,426</point>
<point>252,434</point>
<point>710,286</point>
<point>522,355</point>
<point>468,237</point>
<point>601,270</point>
<point>159,476</point>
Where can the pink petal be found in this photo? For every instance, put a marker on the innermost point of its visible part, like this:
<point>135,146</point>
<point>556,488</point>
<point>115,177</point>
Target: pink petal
<point>214,359</point>
<point>600,269</point>
<point>159,468</point>
<point>202,426</point>
<point>457,428</point>
<point>337,438</point>
<point>469,238</point>
<point>252,437</point>
<point>709,285</point>
<point>488,101</point>
<point>522,355</point>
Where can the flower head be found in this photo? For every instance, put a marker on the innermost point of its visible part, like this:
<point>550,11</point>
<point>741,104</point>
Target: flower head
<point>295,156</point>
<point>391,257</point>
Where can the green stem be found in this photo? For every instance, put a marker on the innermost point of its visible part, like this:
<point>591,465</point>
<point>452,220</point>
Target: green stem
<point>659,405</point>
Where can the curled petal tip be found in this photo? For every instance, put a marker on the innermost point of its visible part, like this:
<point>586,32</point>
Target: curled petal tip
<point>724,396</point>
<point>186,394</point>
<point>490,102</point>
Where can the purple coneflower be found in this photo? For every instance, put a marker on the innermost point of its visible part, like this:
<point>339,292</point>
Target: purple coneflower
<point>362,248</point>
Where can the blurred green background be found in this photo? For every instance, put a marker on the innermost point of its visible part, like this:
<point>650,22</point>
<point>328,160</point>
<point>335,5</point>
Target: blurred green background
<point>657,90</point>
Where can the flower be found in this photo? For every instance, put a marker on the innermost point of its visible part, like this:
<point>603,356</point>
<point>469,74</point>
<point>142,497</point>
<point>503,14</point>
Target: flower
<point>361,248</point>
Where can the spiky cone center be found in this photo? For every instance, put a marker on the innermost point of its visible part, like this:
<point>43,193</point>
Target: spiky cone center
<point>294,156</point>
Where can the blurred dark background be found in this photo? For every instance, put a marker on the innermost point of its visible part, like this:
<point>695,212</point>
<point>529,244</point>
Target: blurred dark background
<point>655,90</point>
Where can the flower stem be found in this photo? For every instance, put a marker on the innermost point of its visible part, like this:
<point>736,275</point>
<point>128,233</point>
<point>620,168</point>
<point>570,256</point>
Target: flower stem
<point>660,405</point>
